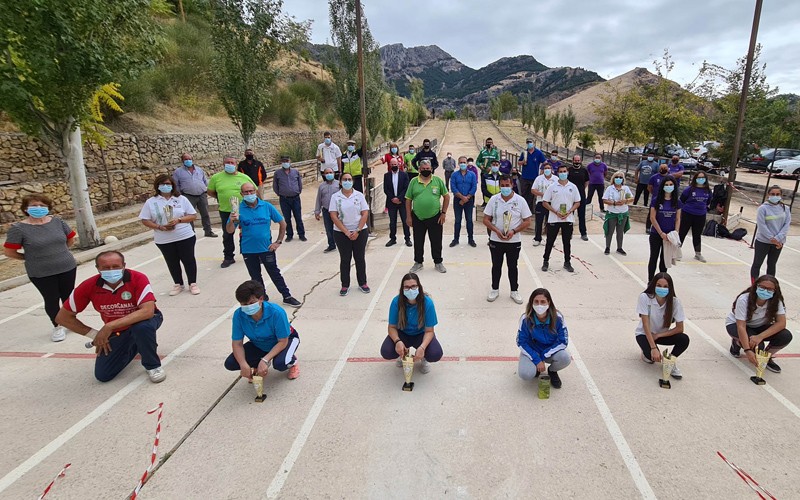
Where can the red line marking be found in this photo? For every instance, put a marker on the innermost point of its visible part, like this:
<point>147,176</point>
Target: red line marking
<point>792,355</point>
<point>493,358</point>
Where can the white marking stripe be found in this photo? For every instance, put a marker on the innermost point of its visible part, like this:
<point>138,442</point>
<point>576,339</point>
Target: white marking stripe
<point>145,291</point>
<point>605,412</point>
<point>291,350</point>
<point>305,431</point>
<point>748,264</point>
<point>109,403</point>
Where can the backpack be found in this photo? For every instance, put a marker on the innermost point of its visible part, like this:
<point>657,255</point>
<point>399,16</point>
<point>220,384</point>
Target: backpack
<point>710,229</point>
<point>718,197</point>
<point>738,233</point>
<point>722,231</point>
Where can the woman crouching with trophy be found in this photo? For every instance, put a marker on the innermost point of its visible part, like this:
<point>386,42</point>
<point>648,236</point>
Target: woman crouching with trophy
<point>412,317</point>
<point>658,308</point>
<point>758,315</point>
<point>542,338</point>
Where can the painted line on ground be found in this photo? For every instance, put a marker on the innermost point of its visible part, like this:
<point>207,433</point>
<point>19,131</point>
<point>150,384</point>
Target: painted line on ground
<point>285,468</point>
<point>51,447</point>
<point>716,345</point>
<point>748,264</point>
<point>613,428</point>
<point>461,359</point>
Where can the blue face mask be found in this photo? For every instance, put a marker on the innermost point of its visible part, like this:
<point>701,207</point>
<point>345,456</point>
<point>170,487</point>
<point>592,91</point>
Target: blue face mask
<point>495,170</point>
<point>351,148</point>
<point>547,172</point>
<point>763,293</point>
<point>229,168</point>
<point>597,160</point>
<point>563,176</point>
<point>411,294</point>
<point>394,151</point>
<point>618,181</point>
<point>650,158</point>
<point>411,151</point>
<point>328,177</point>
<point>165,188</point>
<point>285,165</point>
<point>250,198</point>
<point>662,291</point>
<point>38,212</point>
<point>774,199</point>
<point>669,189</point>
<point>187,163</point>
<point>506,191</point>
<point>529,145</point>
<point>327,141</point>
<point>701,181</point>
<point>112,276</point>
<point>251,309</point>
<point>462,166</point>
<point>347,184</point>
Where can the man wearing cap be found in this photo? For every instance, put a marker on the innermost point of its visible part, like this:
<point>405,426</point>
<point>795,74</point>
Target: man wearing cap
<point>351,164</point>
<point>395,186</point>
<point>192,182</point>
<point>425,214</point>
<point>254,169</point>
<point>287,183</point>
<point>531,160</point>
<point>223,186</point>
<point>329,155</point>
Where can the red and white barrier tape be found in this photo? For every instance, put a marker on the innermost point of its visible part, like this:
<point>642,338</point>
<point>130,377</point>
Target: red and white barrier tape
<point>583,262</point>
<point>160,410</point>
<point>59,475</point>
<point>752,483</point>
<point>754,202</point>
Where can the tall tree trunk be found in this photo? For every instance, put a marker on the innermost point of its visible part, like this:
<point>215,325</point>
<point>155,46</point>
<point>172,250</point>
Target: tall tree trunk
<point>72,149</point>
<point>183,13</point>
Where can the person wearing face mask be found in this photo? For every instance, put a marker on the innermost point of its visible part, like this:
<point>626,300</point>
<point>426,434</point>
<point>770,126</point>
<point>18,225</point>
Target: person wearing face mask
<point>427,153</point>
<point>484,160</point>
<point>170,215</point>
<point>254,169</point>
<point>349,212</point>
<point>617,198</point>
<point>395,186</point>
<point>758,315</point>
<point>597,180</point>
<point>665,218</point>
<point>553,161</point>
<point>490,181</point>
<point>394,152</point>
<point>45,241</point>
<point>408,161</point>
<point>427,201</point>
<point>472,168</point>
<point>329,155</point>
<point>542,338</point>
<point>579,176</point>
<point>326,189</point>
<point>561,200</point>
<point>412,318</point>
<point>531,160</point>
<point>352,164</point>
<point>644,171</point>
<point>127,307</point>
<point>772,225</point>
<point>695,206</point>
<point>191,181</point>
<point>449,165</point>
<point>676,170</point>
<point>506,216</point>
<point>463,186</point>
<point>287,183</point>
<point>254,219</point>
<point>270,337</point>
<point>658,308</point>
<point>223,186</point>
<point>654,186</point>
<point>540,185</point>
<point>505,164</point>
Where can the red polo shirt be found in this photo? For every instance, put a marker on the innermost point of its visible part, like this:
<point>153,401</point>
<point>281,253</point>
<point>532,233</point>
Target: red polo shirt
<point>112,304</point>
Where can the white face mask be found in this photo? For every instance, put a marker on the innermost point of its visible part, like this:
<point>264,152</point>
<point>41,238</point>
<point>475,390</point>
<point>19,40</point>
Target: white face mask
<point>541,309</point>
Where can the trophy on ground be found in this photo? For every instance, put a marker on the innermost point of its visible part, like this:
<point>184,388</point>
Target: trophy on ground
<point>408,371</point>
<point>544,387</point>
<point>761,362</point>
<point>234,200</point>
<point>667,364</point>
<point>506,222</point>
<point>258,384</point>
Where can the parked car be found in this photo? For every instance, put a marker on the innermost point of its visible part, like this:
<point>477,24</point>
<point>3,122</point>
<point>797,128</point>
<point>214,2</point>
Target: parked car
<point>700,149</point>
<point>788,166</point>
<point>632,150</point>
<point>672,149</point>
<point>762,160</point>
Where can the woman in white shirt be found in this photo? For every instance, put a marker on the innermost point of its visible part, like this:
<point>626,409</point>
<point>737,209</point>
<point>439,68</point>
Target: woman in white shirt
<point>658,309</point>
<point>617,197</point>
<point>758,314</point>
<point>349,212</point>
<point>170,215</point>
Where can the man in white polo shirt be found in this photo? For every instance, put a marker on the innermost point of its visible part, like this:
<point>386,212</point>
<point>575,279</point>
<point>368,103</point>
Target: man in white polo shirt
<point>561,200</point>
<point>329,155</point>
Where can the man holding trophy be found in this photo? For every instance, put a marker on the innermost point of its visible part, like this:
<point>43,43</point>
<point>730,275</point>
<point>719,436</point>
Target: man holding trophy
<point>506,215</point>
<point>226,187</point>
<point>561,200</point>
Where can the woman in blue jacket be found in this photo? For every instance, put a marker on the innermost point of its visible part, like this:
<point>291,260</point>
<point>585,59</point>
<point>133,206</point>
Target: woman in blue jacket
<point>542,338</point>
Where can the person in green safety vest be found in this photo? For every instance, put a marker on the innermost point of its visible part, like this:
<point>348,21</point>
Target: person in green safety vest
<point>490,181</point>
<point>407,158</point>
<point>351,164</point>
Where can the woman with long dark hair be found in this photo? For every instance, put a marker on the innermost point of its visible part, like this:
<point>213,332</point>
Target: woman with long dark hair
<point>773,219</point>
<point>693,215</point>
<point>758,315</point>
<point>412,317</point>
<point>665,217</point>
<point>542,338</point>
<point>658,308</point>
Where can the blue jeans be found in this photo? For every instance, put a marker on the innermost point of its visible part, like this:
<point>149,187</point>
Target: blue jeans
<point>253,261</point>
<point>290,206</point>
<point>139,338</point>
<point>326,219</point>
<point>464,210</point>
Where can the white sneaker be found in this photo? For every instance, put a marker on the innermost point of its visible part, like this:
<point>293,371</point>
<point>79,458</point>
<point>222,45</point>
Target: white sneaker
<point>58,334</point>
<point>424,366</point>
<point>536,243</point>
<point>515,296</point>
<point>176,289</point>
<point>699,256</point>
<point>440,267</point>
<point>157,375</point>
<point>417,267</point>
<point>493,294</point>
<point>676,373</point>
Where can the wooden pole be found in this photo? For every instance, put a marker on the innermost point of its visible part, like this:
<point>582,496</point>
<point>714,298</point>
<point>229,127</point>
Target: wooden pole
<point>363,106</point>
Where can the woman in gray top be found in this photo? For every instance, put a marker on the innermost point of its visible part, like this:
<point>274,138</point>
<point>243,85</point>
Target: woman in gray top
<point>45,240</point>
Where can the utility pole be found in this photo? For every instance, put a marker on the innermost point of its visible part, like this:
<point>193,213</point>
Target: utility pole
<point>362,101</point>
<point>737,141</point>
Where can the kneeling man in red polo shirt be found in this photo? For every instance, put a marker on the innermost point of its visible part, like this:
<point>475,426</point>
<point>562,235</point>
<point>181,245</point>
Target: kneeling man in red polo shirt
<point>127,306</point>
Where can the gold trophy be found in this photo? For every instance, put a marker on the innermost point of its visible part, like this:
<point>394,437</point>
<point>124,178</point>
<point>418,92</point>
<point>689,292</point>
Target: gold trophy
<point>258,384</point>
<point>234,201</point>
<point>667,363</point>
<point>408,371</point>
<point>761,362</point>
<point>506,222</point>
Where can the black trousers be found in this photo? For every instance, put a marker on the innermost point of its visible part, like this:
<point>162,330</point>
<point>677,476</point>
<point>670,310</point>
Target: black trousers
<point>394,210</point>
<point>680,341</point>
<point>253,355</point>
<point>764,251</point>
<point>642,189</point>
<point>776,342</point>
<point>177,253</point>
<point>541,216</point>
<point>55,290</point>
<point>599,188</point>
<point>525,186</point>
<point>434,230</point>
<point>694,222</point>
<point>553,229</point>
<point>510,251</point>
<point>200,204</point>
<point>656,256</point>
<point>358,183</point>
<point>354,250</point>
<point>228,246</point>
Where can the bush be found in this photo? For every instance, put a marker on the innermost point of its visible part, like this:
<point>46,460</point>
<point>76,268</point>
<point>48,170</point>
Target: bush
<point>296,150</point>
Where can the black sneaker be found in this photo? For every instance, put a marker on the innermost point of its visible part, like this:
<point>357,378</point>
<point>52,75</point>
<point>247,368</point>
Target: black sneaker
<point>291,301</point>
<point>288,239</point>
<point>555,380</point>
<point>773,366</point>
<point>391,243</point>
<point>364,288</point>
<point>735,350</point>
<point>212,234</point>
<point>453,243</point>
<point>408,243</point>
<point>621,251</point>
<point>343,291</point>
<point>545,266</point>
<point>329,249</point>
<point>584,237</point>
<point>606,251</point>
<point>472,243</point>
<point>303,238</point>
<point>569,268</point>
<point>227,263</point>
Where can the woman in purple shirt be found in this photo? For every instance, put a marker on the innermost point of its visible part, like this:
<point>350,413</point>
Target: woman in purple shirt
<point>695,206</point>
<point>665,217</point>
<point>597,180</point>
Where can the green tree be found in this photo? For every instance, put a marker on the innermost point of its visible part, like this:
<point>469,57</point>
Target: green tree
<point>417,112</point>
<point>507,104</point>
<point>620,116</point>
<point>398,123</point>
<point>467,113</point>
<point>538,115</point>
<point>449,114</point>
<point>545,123</point>
<point>555,125</point>
<point>56,55</point>
<point>567,125</point>
<point>586,140</point>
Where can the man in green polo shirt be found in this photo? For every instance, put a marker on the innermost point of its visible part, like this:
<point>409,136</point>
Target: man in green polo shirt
<point>425,214</point>
<point>222,186</point>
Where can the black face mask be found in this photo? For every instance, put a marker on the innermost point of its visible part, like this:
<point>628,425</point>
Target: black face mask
<point>426,146</point>
<point>576,165</point>
<point>249,157</point>
<point>663,171</point>
<point>395,168</point>
<point>425,173</point>
<point>674,162</point>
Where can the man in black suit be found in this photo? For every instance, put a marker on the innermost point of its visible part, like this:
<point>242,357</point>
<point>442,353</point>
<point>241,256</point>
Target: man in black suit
<point>395,184</point>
